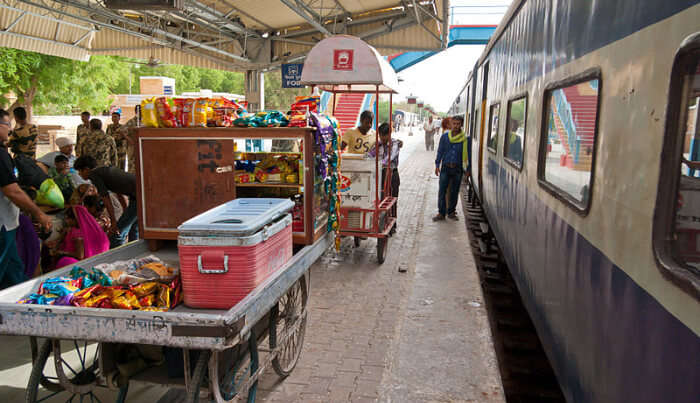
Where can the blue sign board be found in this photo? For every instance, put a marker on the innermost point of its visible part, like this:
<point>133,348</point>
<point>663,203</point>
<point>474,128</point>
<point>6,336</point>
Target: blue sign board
<point>291,75</point>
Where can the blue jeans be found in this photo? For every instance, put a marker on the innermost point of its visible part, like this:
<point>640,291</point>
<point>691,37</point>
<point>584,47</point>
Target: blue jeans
<point>126,224</point>
<point>11,266</point>
<point>452,178</point>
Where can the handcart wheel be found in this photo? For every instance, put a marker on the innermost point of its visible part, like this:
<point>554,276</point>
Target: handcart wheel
<point>382,247</point>
<point>51,384</point>
<point>357,241</point>
<point>77,365</point>
<point>231,380</point>
<point>288,318</point>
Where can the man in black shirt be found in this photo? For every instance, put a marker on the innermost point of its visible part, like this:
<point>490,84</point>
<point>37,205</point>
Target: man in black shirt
<point>11,200</point>
<point>123,184</point>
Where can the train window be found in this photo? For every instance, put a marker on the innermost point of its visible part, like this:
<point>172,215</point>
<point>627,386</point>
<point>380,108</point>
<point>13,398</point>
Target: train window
<point>677,216</point>
<point>493,127</point>
<point>514,141</point>
<point>568,140</point>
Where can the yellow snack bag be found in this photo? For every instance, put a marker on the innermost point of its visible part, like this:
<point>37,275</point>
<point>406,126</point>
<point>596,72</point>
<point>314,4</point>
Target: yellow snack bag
<point>200,112</point>
<point>149,112</point>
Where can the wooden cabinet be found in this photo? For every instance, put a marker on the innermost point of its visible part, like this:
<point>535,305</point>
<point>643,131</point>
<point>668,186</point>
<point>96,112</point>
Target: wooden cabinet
<point>183,172</point>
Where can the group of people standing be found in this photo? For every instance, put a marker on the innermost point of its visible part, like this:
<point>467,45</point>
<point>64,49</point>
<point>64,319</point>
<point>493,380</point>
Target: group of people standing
<point>90,223</point>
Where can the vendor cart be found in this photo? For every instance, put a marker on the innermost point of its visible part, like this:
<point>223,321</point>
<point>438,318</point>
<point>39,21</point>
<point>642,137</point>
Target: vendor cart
<point>79,352</point>
<point>344,64</point>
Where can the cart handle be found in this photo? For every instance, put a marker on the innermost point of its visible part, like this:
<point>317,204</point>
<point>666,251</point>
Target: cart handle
<point>212,271</point>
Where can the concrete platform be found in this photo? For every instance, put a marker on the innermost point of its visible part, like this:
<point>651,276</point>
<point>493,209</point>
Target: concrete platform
<point>374,333</point>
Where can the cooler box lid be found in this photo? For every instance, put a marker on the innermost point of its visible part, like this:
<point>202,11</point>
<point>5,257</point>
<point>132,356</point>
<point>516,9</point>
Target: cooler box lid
<point>239,217</point>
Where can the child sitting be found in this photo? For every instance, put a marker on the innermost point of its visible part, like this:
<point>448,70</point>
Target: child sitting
<point>82,239</point>
<point>61,176</point>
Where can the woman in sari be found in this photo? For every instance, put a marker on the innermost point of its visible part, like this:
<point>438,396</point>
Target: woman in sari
<point>84,237</point>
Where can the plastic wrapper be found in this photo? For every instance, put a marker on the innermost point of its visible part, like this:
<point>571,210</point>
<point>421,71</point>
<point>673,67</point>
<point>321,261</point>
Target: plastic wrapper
<point>148,300</point>
<point>179,111</point>
<point>200,112</point>
<point>163,297</point>
<point>59,286</point>
<point>144,289</point>
<point>245,177</point>
<point>165,115</point>
<point>188,113</point>
<point>49,194</point>
<point>260,175</point>
<point>149,113</point>
<point>292,178</point>
<point>128,300</point>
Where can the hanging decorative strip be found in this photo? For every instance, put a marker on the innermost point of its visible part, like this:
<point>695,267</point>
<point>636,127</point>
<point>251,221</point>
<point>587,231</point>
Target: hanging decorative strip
<point>328,166</point>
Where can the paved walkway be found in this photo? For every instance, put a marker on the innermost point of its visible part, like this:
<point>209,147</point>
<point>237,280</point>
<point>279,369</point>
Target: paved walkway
<point>375,334</point>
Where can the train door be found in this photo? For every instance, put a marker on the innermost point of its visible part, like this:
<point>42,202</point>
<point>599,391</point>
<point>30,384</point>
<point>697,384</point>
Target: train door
<point>482,114</point>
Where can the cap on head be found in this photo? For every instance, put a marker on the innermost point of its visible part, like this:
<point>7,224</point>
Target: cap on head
<point>64,141</point>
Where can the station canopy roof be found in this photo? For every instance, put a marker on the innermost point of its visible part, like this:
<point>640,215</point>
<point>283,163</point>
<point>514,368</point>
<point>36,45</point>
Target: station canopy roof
<point>220,34</point>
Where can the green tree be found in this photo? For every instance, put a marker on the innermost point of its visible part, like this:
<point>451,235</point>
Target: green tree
<point>279,98</point>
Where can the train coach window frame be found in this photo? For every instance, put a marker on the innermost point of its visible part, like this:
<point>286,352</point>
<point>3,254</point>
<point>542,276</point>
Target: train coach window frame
<point>665,238</point>
<point>581,207</point>
<point>492,141</point>
<point>516,164</point>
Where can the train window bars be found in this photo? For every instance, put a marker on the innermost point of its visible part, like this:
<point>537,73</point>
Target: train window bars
<point>514,141</point>
<point>568,140</point>
<point>677,215</point>
<point>492,142</point>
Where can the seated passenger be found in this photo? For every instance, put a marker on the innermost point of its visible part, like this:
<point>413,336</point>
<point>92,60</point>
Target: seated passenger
<point>360,139</point>
<point>514,150</point>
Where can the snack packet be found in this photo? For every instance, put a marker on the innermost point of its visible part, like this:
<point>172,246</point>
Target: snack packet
<point>149,113</point>
<point>165,115</point>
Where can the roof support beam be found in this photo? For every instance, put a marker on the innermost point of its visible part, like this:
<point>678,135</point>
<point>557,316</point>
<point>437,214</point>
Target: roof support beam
<point>217,17</point>
<point>390,27</point>
<point>127,21</point>
<point>15,22</point>
<point>82,38</point>
<point>302,12</point>
<point>352,23</point>
<point>445,27</point>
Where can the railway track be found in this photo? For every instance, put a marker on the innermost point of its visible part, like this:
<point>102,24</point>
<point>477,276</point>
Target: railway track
<point>525,370</point>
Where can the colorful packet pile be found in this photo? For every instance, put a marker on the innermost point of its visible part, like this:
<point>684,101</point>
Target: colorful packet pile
<point>94,289</point>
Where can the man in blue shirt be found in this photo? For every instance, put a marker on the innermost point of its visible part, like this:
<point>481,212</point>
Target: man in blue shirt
<point>450,164</point>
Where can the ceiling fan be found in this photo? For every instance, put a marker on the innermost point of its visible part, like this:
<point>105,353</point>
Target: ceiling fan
<point>151,62</point>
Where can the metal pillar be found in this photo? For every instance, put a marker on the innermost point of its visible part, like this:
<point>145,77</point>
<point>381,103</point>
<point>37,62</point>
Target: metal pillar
<point>255,90</point>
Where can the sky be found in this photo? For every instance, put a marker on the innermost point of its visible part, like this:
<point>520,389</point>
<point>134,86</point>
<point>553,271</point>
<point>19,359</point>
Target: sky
<point>438,79</point>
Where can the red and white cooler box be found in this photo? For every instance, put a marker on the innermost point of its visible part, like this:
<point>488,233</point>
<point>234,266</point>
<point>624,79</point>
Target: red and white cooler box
<point>229,250</point>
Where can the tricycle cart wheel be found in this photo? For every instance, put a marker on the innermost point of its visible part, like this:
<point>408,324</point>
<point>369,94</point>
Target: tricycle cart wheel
<point>382,247</point>
<point>229,373</point>
<point>357,241</point>
<point>288,326</point>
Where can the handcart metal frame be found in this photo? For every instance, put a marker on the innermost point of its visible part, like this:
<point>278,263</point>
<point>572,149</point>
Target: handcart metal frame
<point>368,72</point>
<point>221,349</point>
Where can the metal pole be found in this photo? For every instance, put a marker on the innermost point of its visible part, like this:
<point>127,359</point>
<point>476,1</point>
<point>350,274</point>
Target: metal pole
<point>376,153</point>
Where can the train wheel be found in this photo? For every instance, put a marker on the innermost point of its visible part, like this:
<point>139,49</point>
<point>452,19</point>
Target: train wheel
<point>288,327</point>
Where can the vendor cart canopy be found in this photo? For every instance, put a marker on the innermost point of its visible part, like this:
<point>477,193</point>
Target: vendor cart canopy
<point>345,63</point>
<point>222,34</point>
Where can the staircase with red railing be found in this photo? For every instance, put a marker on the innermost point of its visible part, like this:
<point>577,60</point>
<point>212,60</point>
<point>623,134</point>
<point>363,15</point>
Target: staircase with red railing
<point>583,105</point>
<point>348,109</point>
